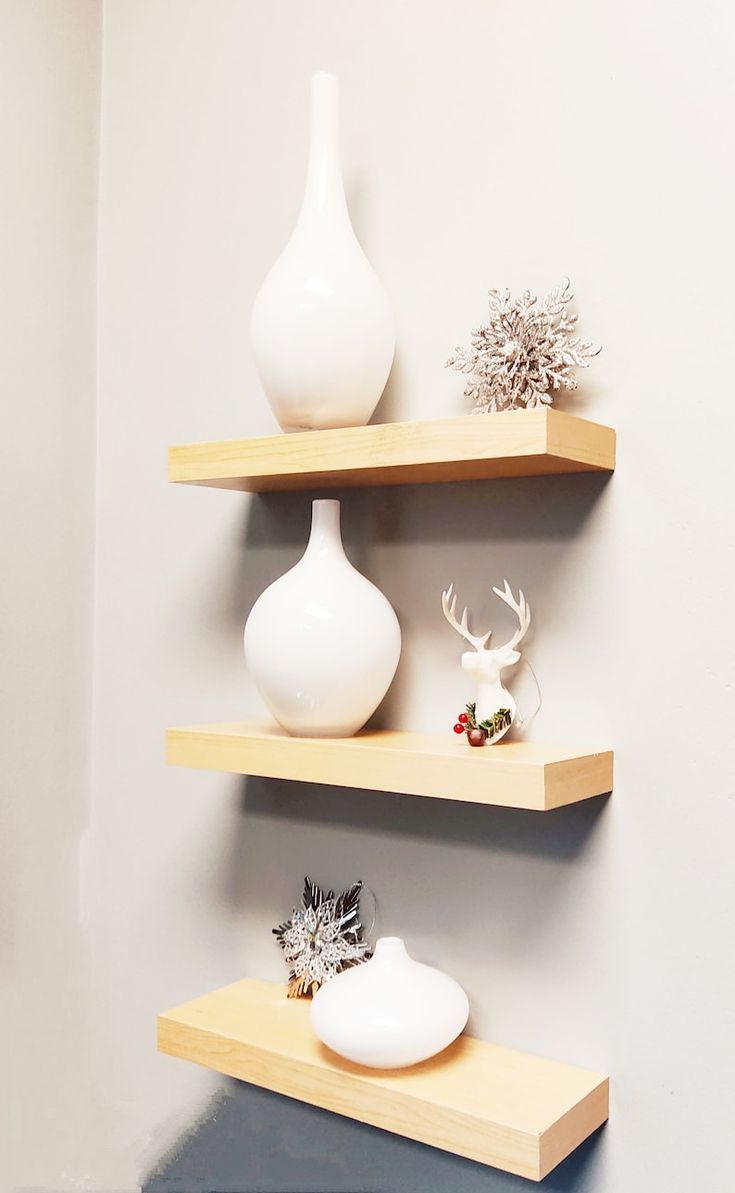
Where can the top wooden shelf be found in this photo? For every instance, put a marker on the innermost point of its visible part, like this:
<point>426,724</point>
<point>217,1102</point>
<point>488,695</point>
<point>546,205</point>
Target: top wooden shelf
<point>513,443</point>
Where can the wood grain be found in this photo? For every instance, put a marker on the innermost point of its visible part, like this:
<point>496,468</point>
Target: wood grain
<point>492,1104</point>
<point>512,443</point>
<point>510,774</point>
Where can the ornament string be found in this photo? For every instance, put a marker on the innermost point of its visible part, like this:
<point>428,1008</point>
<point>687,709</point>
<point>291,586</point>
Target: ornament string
<point>522,722</point>
<point>369,891</point>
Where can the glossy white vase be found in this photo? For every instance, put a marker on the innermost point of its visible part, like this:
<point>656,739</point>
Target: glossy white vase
<point>390,1012</point>
<point>322,643</point>
<point>322,326</point>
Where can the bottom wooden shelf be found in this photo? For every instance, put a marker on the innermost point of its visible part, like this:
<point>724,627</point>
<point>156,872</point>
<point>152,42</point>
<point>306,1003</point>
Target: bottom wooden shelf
<point>515,1111</point>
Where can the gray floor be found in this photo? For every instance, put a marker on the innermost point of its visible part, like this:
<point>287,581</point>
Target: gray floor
<point>254,1141</point>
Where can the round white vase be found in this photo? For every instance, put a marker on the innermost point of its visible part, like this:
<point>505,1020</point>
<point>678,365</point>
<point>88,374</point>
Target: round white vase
<point>390,1012</point>
<point>322,326</point>
<point>322,643</point>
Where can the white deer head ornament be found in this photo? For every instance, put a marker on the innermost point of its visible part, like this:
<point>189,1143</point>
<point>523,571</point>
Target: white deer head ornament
<point>486,665</point>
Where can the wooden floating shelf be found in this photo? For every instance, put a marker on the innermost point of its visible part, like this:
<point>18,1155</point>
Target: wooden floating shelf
<point>515,1111</point>
<point>509,774</point>
<point>513,443</point>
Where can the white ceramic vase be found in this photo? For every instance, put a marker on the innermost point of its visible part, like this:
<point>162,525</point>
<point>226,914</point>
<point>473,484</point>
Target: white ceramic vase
<point>322,643</point>
<point>390,1012</point>
<point>322,326</point>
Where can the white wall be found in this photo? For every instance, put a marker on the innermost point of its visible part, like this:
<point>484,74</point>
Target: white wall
<point>485,144</point>
<point>49,98</point>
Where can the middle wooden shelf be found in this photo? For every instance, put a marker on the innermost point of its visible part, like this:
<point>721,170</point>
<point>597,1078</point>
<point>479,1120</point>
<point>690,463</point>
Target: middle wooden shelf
<point>514,774</point>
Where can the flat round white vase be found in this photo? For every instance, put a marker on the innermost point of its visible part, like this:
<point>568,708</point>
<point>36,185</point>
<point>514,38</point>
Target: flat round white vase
<point>322,642</point>
<point>390,1012</point>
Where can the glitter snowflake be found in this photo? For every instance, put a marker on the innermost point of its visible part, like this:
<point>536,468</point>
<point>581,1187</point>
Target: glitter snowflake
<point>525,352</point>
<point>323,937</point>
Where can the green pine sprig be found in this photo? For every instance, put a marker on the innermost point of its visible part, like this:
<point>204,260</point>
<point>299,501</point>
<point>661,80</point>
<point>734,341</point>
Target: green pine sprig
<point>492,725</point>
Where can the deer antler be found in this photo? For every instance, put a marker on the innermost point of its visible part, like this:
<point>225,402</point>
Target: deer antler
<point>520,608</point>
<point>449,605</point>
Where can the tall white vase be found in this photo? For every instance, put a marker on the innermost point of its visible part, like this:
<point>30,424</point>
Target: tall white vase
<point>390,1012</point>
<point>322,643</point>
<point>322,326</point>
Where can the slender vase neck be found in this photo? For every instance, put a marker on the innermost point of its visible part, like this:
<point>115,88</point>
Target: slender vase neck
<point>324,195</point>
<point>325,540</point>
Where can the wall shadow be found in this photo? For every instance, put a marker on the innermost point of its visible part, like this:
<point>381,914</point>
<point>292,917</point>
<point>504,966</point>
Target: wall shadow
<point>254,1141</point>
<point>473,533</point>
<point>533,507</point>
<point>526,510</point>
<point>504,872</point>
<point>559,834</point>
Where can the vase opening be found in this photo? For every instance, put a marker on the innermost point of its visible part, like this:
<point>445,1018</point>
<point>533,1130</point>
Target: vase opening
<point>390,948</point>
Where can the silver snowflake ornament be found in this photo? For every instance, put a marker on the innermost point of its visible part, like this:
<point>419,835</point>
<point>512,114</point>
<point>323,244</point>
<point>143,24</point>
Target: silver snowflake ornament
<point>525,352</point>
<point>323,937</point>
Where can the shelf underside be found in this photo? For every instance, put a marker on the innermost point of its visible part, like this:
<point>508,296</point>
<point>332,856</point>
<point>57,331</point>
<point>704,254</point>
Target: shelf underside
<point>510,774</point>
<point>509,1109</point>
<point>512,443</point>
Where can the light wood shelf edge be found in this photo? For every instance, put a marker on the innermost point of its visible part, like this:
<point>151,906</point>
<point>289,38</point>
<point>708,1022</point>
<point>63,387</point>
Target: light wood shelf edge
<point>511,774</point>
<point>491,1104</point>
<point>511,443</point>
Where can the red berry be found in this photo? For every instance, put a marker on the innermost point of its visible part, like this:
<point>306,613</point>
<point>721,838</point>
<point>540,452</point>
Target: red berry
<point>463,718</point>
<point>459,728</point>
<point>477,737</point>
